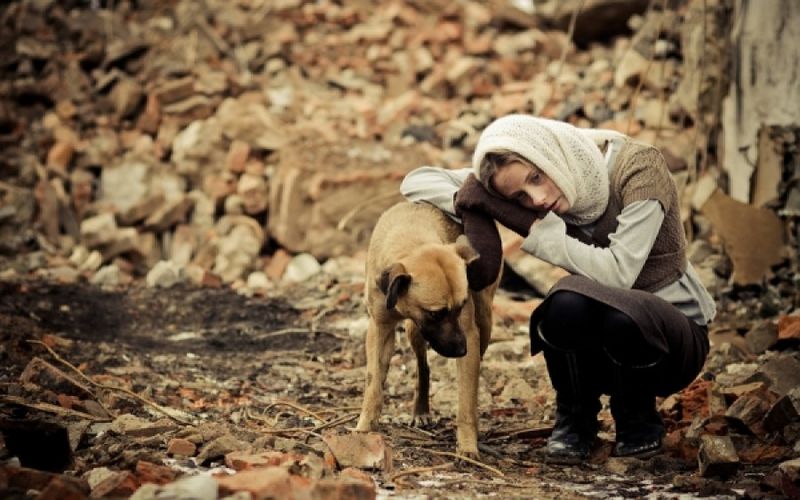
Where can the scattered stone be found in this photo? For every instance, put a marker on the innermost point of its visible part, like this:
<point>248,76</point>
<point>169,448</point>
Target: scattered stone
<point>219,448</point>
<point>274,482</point>
<point>148,472</point>
<point>717,456</point>
<point>789,328</point>
<point>782,373</point>
<point>243,460</point>
<point>131,425</point>
<point>761,336</point>
<point>107,276</point>
<point>361,450</point>
<point>302,267</point>
<point>785,411</point>
<point>750,408</point>
<point>198,487</point>
<point>98,230</point>
<point>165,274</point>
<point>116,484</point>
<point>27,479</point>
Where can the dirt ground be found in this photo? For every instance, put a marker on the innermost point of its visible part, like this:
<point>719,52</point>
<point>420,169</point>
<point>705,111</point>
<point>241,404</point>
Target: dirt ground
<point>227,364</point>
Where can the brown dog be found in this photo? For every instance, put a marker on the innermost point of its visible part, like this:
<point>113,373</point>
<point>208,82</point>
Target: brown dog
<point>416,271</point>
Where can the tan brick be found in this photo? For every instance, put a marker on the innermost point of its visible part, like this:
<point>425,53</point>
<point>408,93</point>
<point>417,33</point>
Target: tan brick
<point>181,447</point>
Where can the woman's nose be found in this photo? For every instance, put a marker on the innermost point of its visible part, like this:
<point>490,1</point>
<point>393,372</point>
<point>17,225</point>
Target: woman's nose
<point>537,197</point>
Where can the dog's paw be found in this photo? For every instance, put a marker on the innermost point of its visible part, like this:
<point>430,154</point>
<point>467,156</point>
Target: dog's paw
<point>366,424</point>
<point>422,420</point>
<point>468,452</point>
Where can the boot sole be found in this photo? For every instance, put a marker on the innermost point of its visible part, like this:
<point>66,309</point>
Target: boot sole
<point>642,454</point>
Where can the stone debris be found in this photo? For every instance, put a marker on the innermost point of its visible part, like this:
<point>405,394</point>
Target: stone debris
<point>288,115</point>
<point>367,450</point>
<point>717,456</point>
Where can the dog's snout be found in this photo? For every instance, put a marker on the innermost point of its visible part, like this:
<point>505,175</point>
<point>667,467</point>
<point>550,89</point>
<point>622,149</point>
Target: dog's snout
<point>445,340</point>
<point>451,350</point>
<point>459,351</point>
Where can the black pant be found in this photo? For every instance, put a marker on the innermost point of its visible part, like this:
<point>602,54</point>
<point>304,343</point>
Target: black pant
<point>603,342</point>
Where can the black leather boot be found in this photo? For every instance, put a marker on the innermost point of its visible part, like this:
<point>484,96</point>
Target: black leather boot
<point>573,435</point>
<point>639,427</point>
<point>577,405</point>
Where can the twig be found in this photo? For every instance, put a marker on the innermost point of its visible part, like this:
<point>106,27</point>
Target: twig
<point>528,432</point>
<point>296,407</point>
<point>331,334</point>
<point>81,386</point>
<point>417,429</point>
<point>132,394</point>
<point>342,225</point>
<point>570,33</point>
<point>51,408</point>
<point>308,430</point>
<point>249,414</point>
<point>76,370</point>
<point>337,409</point>
<point>282,331</point>
<point>466,459</point>
<point>420,470</point>
<point>694,171</point>
<point>340,421</point>
<point>253,416</point>
<point>291,430</point>
<point>494,483</point>
<point>646,69</point>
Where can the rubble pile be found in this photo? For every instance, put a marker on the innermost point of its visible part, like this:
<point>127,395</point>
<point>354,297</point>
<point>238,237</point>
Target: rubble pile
<point>217,135</point>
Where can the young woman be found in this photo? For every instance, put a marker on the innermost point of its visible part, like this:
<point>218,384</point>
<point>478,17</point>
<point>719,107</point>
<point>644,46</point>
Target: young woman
<point>631,319</point>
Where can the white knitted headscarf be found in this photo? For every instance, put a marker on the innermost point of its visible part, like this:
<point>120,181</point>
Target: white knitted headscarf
<point>568,155</point>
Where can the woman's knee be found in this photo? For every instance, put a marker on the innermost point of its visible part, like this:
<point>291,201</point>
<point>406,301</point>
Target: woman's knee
<point>625,343</point>
<point>566,321</point>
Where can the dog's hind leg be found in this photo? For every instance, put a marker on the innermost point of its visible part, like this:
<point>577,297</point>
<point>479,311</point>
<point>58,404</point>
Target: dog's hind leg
<point>379,350</point>
<point>422,410</point>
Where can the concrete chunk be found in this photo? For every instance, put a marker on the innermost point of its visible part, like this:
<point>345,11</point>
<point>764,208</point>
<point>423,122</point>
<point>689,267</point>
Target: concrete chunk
<point>785,411</point>
<point>717,456</point>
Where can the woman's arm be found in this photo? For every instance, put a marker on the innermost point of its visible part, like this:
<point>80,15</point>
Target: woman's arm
<point>617,265</point>
<point>434,185</point>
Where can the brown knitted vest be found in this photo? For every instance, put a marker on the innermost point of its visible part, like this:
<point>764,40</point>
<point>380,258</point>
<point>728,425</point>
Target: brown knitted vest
<point>641,173</point>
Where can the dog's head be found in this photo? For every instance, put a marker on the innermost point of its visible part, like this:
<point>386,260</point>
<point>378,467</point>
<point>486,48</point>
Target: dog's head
<point>430,288</point>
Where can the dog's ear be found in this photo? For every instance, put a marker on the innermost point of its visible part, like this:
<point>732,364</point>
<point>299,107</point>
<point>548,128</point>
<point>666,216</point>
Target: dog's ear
<point>464,249</point>
<point>393,282</point>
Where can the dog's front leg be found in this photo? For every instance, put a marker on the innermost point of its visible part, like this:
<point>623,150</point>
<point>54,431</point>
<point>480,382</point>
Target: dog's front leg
<point>379,350</point>
<point>422,409</point>
<point>468,373</point>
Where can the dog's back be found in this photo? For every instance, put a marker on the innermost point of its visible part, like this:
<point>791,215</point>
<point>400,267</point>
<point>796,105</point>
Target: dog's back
<point>404,227</point>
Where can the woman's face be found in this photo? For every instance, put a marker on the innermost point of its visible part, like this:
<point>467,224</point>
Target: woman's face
<point>530,187</point>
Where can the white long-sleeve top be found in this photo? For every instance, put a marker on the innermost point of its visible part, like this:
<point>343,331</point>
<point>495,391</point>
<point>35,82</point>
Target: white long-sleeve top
<point>617,265</point>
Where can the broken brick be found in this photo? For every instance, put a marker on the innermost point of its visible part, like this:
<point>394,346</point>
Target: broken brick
<point>181,447</point>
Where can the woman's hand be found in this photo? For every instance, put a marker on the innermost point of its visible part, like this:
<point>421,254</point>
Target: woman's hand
<point>473,196</point>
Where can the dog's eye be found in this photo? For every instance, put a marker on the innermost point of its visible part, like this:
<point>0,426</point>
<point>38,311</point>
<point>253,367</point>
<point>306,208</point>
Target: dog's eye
<point>438,315</point>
